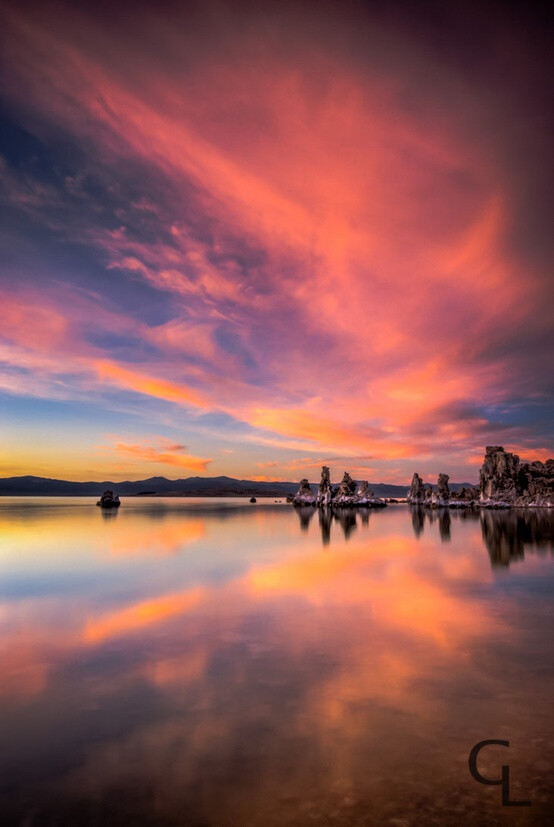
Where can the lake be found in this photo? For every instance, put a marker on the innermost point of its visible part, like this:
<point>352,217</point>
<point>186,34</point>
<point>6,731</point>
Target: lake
<point>212,662</point>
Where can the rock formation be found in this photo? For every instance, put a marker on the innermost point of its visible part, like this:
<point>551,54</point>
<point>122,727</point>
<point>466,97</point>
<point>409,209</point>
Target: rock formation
<point>536,484</point>
<point>346,493</point>
<point>109,500</point>
<point>440,496</point>
<point>304,495</point>
<point>325,492</point>
<point>443,490</point>
<point>416,494</point>
<point>466,497</point>
<point>366,496</point>
<point>498,475</point>
<point>504,481</point>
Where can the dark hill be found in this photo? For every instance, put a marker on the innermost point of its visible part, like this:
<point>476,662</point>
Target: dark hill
<point>161,486</point>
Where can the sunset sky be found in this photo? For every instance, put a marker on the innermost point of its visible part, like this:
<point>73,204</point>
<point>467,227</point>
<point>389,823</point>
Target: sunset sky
<point>250,238</point>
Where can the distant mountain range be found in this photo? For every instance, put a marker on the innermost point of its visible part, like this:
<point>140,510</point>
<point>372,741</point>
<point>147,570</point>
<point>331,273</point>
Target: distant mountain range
<point>190,487</point>
<point>161,486</point>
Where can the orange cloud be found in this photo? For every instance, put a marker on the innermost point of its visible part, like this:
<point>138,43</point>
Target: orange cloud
<point>308,425</point>
<point>143,383</point>
<point>172,455</point>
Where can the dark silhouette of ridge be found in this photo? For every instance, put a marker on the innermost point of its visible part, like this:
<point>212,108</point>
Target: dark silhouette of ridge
<point>191,487</point>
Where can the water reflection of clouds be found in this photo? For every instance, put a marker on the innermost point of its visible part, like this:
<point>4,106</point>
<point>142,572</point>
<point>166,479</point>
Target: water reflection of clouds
<point>381,580</point>
<point>145,538</point>
<point>308,651</point>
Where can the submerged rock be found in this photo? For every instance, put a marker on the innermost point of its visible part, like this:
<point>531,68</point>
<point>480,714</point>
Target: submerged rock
<point>304,495</point>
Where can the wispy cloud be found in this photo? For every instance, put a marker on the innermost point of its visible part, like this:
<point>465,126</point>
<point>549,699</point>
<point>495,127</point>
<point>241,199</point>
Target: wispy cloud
<point>164,453</point>
<point>275,234</point>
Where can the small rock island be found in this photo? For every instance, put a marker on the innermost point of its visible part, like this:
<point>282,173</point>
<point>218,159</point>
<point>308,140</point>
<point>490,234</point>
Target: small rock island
<point>109,500</point>
<point>347,493</point>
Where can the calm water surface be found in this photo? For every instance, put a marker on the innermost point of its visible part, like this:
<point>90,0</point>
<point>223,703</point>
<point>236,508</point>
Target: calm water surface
<point>202,663</point>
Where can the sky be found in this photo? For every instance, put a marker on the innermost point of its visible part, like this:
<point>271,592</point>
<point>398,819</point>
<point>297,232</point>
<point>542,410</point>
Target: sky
<point>252,238</point>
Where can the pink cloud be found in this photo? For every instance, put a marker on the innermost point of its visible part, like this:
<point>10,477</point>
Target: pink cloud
<point>339,264</point>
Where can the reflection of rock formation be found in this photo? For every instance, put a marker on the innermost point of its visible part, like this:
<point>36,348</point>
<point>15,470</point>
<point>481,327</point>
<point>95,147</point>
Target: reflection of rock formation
<point>467,515</point>
<point>364,516</point>
<point>347,520</point>
<point>444,525</point>
<point>504,481</point>
<point>507,534</point>
<point>305,514</point>
<point>325,492</point>
<point>501,537</point>
<point>443,517</point>
<point>325,517</point>
<point>418,519</point>
<point>304,495</point>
